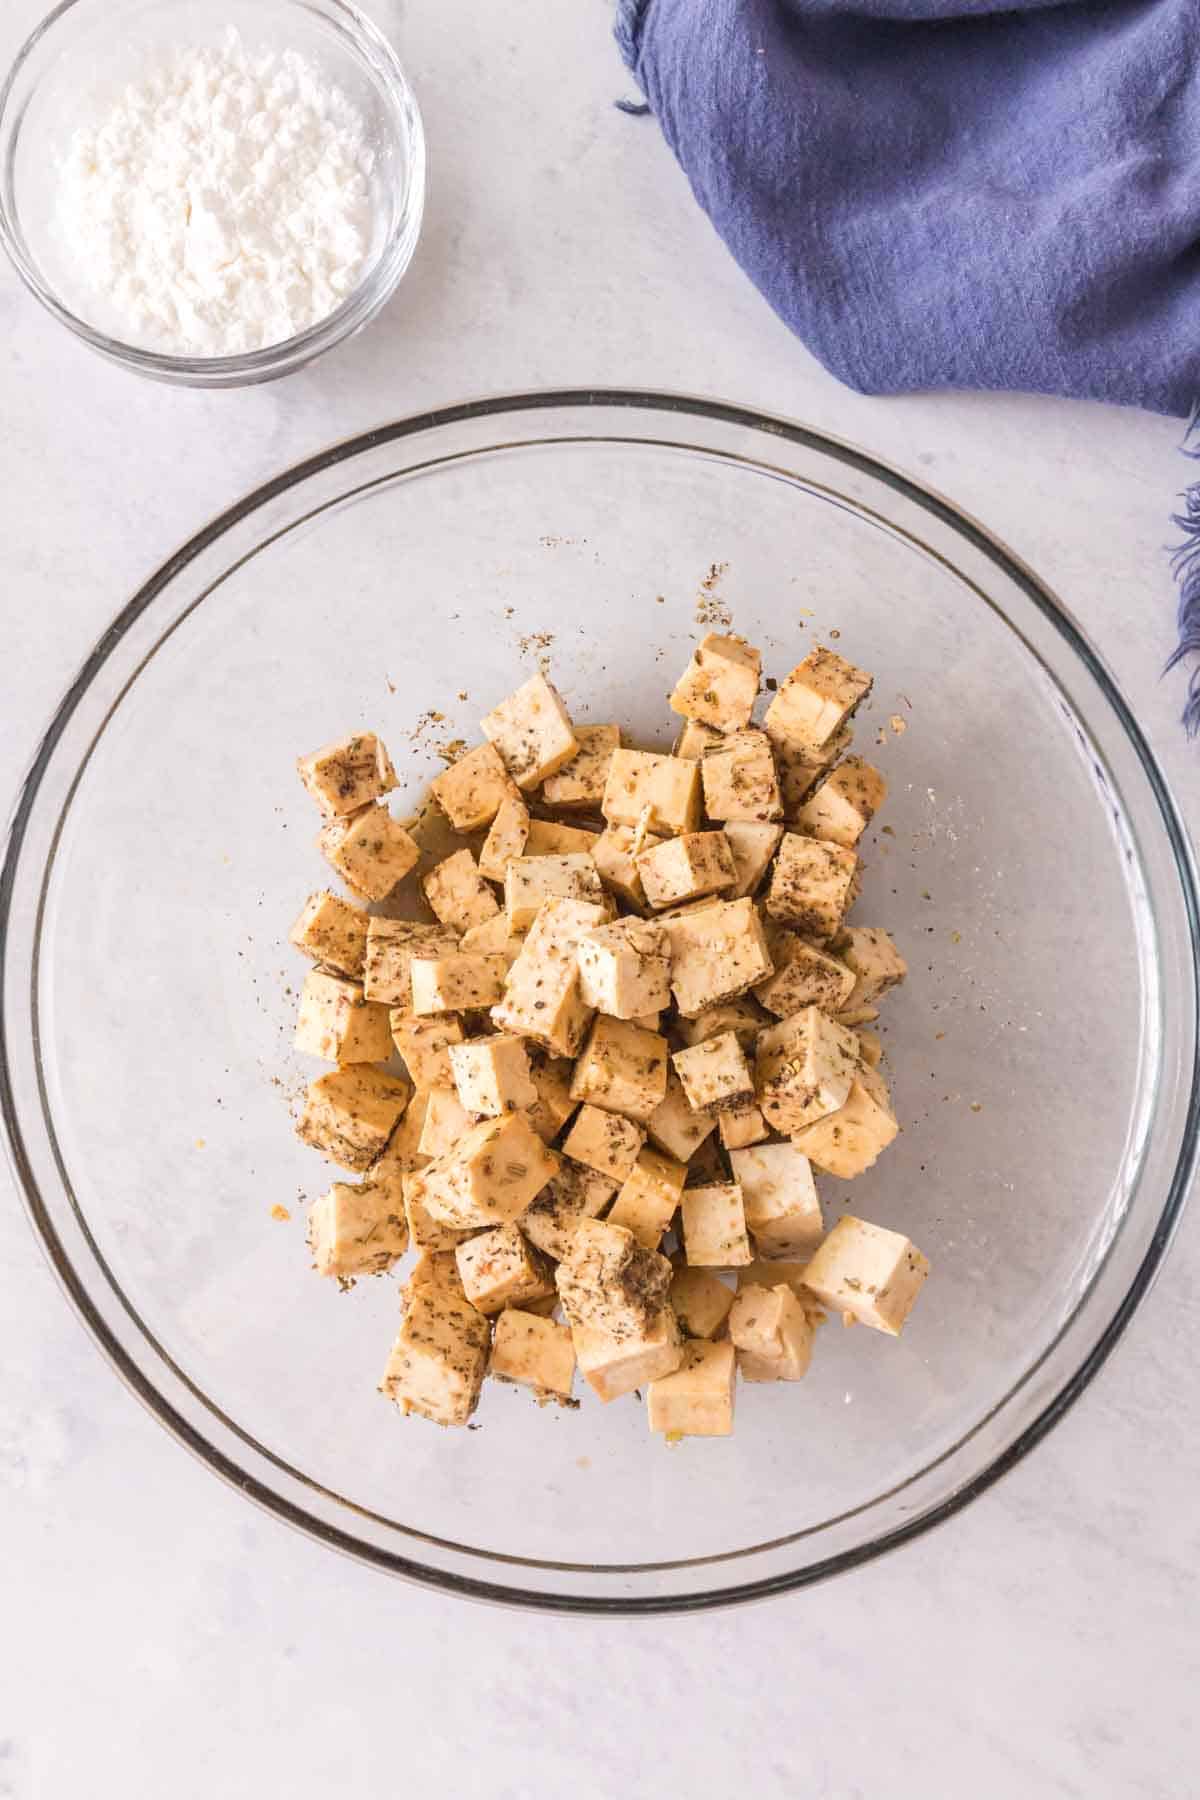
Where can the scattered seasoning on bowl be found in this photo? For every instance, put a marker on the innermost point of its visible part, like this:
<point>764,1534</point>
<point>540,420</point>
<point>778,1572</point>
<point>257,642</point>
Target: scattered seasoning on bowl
<point>223,204</point>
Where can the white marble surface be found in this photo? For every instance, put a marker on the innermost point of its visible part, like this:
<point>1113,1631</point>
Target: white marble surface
<point>163,1638</point>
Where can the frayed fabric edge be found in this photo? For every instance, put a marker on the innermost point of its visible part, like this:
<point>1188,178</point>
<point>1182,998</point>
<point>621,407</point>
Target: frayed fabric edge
<point>1185,566</point>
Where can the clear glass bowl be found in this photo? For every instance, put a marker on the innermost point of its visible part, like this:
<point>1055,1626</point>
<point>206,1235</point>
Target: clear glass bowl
<point>86,49</point>
<point>1043,1052</point>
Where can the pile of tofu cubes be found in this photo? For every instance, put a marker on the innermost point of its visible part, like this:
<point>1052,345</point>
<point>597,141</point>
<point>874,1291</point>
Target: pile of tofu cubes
<point>590,1089</point>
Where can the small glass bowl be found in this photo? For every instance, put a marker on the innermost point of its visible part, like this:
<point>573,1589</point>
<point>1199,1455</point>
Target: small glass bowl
<point>85,49</point>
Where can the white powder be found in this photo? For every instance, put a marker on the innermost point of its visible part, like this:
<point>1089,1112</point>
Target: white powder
<point>223,204</point>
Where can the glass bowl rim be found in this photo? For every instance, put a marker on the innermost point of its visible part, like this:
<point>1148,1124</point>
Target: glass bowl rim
<point>162,1408</point>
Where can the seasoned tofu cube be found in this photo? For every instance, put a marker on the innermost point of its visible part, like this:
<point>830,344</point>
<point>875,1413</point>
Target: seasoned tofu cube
<point>715,1074</point>
<point>439,1358</point>
<point>742,1125</point>
<point>616,1365</point>
<point>686,868</point>
<point>331,931</point>
<point>625,968</point>
<point>647,1202</point>
<point>751,846</point>
<point>493,939</point>
<point>871,1045</point>
<point>350,1114</point>
<point>507,838</point>
<point>530,880</point>
<point>428,1234</point>
<point>842,807</point>
<point>579,784</point>
<point>446,1119</point>
<point>743,1016</point>
<point>392,947</point>
<point>818,698</point>
<point>535,1353</point>
<point>547,837</point>
<point>714,1226</point>
<point>783,1212</point>
<point>800,768</point>
<point>473,789</point>
<point>492,1075</point>
<point>434,1268</point>
<point>369,850</point>
<point>490,1176</point>
<point>424,1046</point>
<point>768,1273</point>
<point>615,854</point>
<point>720,684</point>
<point>357,1229</point>
<point>695,739</point>
<point>804,976</point>
<point>873,959</point>
<point>457,983</point>
<point>542,997</point>
<point>622,1069</point>
<point>872,1274</point>
<point>610,1281</point>
<point>458,894</point>
<point>574,1193</point>
<point>498,1268</point>
<point>551,1078</point>
<point>349,774</point>
<point>337,1023</point>
<point>669,786</point>
<point>812,884</point>
<point>696,1400</point>
<point>701,1301</point>
<point>772,1333</point>
<point>804,1069</point>
<point>716,954</point>
<point>604,1141</point>
<point>533,733</point>
<point>849,1141</point>
<point>740,781</point>
<point>402,1153</point>
<point>674,1126</point>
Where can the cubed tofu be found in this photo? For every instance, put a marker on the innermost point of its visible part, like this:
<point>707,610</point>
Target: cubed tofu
<point>696,1399</point>
<point>446,1119</point>
<point>669,786</point>
<point>369,850</point>
<point>625,968</point>
<point>507,837</point>
<point>533,733</point>
<point>686,868</point>
<point>499,1268</point>
<point>715,1074</point>
<point>490,1176</point>
<point>621,1069</point>
<point>872,1274</point>
<point>695,739</point>
<point>873,959</point>
<point>493,939</point>
<point>742,1125</point>
<point>751,846</point>
<point>579,784</point>
<point>535,1353</point>
<point>434,1268</point>
<point>337,1023</point>
<point>772,1332</point>
<point>548,837</point>
<point>574,1193</point>
<point>604,1141</point>
<point>458,894</point>
<point>716,954</point>
<point>800,768</point>
<point>439,1358</point>
<point>473,789</point>
<point>357,1228</point>
<point>531,880</point>
<point>542,997</point>
<point>613,1366</point>
<point>402,1153</point>
<point>344,776</point>
<point>492,1075</point>
<point>424,1046</point>
<point>647,1202</point>
<point>743,1016</point>
<point>610,1281</point>
<point>783,1211</point>
<point>849,1141</point>
<point>709,1165</point>
<point>871,1046</point>
<point>551,1077</point>
<point>812,884</point>
<point>393,945</point>
<point>331,931</point>
<point>714,1226</point>
<point>804,1068</point>
<point>804,976</point>
<point>674,1126</point>
<point>615,853</point>
<point>842,807</point>
<point>427,1234</point>
<point>457,983</point>
<point>350,1114</point>
<point>701,1301</point>
<point>720,684</point>
<point>740,781</point>
<point>818,698</point>
<point>768,1273</point>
